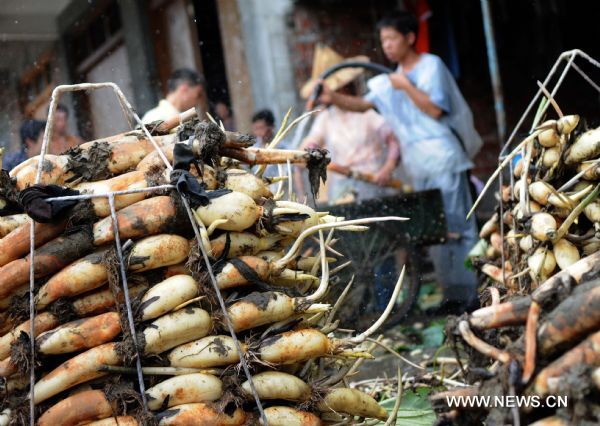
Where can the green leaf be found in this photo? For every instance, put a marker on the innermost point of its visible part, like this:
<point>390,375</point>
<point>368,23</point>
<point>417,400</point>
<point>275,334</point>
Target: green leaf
<point>428,288</point>
<point>430,337</point>
<point>415,408</point>
<point>430,295</point>
<point>478,250</point>
<point>433,336</point>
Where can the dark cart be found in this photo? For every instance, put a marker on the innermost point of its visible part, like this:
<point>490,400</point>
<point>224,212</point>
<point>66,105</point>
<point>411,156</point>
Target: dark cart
<point>367,250</point>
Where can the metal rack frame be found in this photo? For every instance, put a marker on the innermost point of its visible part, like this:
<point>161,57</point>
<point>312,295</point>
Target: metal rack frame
<point>568,57</point>
<point>132,118</point>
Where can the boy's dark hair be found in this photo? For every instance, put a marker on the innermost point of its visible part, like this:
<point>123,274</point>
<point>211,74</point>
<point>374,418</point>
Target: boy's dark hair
<point>185,75</point>
<point>266,115</point>
<point>31,129</point>
<point>403,22</point>
<point>62,108</point>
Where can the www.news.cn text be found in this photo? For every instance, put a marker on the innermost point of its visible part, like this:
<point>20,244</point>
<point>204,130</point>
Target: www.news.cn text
<point>507,401</point>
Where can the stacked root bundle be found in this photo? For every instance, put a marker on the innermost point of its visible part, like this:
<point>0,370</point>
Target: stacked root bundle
<point>539,335</point>
<point>88,356</point>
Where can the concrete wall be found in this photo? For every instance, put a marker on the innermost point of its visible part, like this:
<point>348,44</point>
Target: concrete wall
<point>180,37</point>
<point>135,27</point>
<point>350,31</point>
<point>144,76</point>
<point>266,33</point>
<point>238,78</point>
<point>106,114</point>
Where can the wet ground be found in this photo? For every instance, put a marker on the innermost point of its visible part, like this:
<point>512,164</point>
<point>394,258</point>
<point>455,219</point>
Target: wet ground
<point>420,341</point>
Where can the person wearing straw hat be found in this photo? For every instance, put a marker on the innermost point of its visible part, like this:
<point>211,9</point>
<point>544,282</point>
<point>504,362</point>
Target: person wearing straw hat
<point>422,103</point>
<point>360,141</point>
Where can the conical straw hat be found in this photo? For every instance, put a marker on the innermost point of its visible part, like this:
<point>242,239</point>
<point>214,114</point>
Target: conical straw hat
<point>326,57</point>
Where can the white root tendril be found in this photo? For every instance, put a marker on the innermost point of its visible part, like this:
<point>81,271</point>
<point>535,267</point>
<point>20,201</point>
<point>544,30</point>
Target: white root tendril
<point>290,180</point>
<point>394,414</point>
<point>316,265</point>
<point>340,267</point>
<point>354,228</point>
<point>296,246</point>
<point>330,248</point>
<point>203,232</point>
<point>324,283</point>
<point>339,302</point>
<point>214,225</point>
<point>280,192</point>
<point>187,302</point>
<point>363,336</point>
<point>395,353</point>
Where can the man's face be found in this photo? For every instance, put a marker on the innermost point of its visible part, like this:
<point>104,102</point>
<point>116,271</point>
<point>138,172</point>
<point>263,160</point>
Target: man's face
<point>34,147</point>
<point>262,131</point>
<point>190,96</point>
<point>395,45</point>
<point>60,123</point>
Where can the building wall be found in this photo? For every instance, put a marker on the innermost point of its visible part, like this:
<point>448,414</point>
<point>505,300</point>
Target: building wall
<point>174,38</point>
<point>179,35</point>
<point>90,34</point>
<point>106,114</point>
<point>346,27</point>
<point>266,32</point>
<point>238,78</point>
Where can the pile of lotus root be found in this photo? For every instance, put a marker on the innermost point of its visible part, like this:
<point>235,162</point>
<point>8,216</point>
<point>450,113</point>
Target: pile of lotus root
<point>122,287</point>
<point>538,335</point>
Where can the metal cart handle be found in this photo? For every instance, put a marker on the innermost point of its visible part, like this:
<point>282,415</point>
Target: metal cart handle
<point>368,65</point>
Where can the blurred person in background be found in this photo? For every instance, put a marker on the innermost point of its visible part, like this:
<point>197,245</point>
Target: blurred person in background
<point>32,134</point>
<point>185,89</point>
<point>223,113</point>
<point>61,139</point>
<point>360,141</point>
<point>422,103</point>
<point>263,127</point>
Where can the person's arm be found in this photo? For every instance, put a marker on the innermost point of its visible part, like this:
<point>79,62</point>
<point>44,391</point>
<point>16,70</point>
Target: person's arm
<point>347,102</point>
<point>420,98</point>
<point>350,103</point>
<point>384,175</point>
